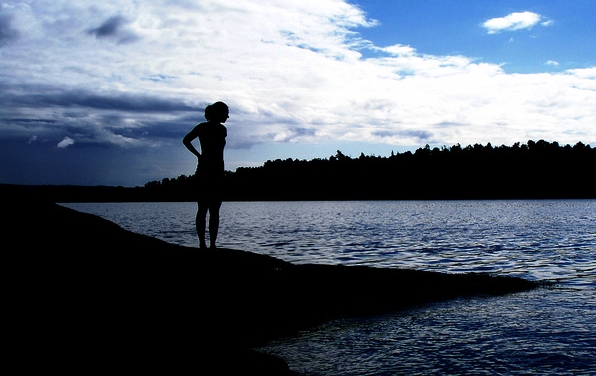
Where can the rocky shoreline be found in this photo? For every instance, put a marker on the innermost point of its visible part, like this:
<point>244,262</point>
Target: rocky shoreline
<point>87,295</point>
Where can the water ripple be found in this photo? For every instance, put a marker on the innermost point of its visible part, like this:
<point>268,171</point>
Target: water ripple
<point>546,331</point>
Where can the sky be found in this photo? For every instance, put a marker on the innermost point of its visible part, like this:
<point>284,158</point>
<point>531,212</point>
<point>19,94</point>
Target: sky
<point>102,93</point>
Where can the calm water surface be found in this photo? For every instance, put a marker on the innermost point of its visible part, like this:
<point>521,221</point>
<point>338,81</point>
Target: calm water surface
<point>547,331</point>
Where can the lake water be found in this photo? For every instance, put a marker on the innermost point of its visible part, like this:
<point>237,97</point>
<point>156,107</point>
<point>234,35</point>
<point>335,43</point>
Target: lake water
<point>551,330</point>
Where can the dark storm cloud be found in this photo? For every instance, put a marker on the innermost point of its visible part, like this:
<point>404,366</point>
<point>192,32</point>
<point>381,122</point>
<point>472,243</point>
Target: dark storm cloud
<point>35,114</point>
<point>108,28</point>
<point>7,32</point>
<point>114,27</point>
<point>39,97</point>
<point>122,102</point>
<point>170,129</point>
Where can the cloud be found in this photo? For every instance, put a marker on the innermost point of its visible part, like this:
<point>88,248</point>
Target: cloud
<point>552,63</point>
<point>292,72</point>
<point>514,21</point>
<point>66,141</point>
<point>398,50</point>
<point>114,27</point>
<point>547,23</point>
<point>72,97</point>
<point>7,32</point>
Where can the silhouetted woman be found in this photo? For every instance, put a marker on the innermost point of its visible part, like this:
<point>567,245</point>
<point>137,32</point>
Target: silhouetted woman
<point>210,169</point>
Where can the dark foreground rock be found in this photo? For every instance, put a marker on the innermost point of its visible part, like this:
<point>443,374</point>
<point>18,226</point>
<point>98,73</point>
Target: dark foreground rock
<point>86,295</point>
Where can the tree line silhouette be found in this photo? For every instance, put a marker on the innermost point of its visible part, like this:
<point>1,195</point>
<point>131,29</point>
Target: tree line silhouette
<point>536,170</point>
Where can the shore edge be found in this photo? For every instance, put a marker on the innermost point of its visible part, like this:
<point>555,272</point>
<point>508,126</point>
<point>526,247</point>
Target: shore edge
<point>84,290</point>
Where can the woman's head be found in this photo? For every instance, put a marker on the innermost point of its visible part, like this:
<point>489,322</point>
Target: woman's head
<point>217,111</point>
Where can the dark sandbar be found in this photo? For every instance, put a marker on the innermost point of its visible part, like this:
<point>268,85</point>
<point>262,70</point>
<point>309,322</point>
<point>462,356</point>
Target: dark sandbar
<point>87,295</point>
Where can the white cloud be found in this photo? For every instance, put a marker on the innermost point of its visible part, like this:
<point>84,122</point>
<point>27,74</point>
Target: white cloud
<point>552,63</point>
<point>66,141</point>
<point>547,23</point>
<point>588,73</point>
<point>399,49</point>
<point>514,21</point>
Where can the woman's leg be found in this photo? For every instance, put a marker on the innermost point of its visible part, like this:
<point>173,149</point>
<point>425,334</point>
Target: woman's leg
<point>213,222</point>
<point>201,223</point>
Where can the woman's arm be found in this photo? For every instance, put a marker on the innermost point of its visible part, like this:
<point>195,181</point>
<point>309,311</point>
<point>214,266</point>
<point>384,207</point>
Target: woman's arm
<point>187,141</point>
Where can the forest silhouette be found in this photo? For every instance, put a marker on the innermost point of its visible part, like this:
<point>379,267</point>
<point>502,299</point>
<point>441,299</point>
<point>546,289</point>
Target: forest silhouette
<point>536,170</point>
